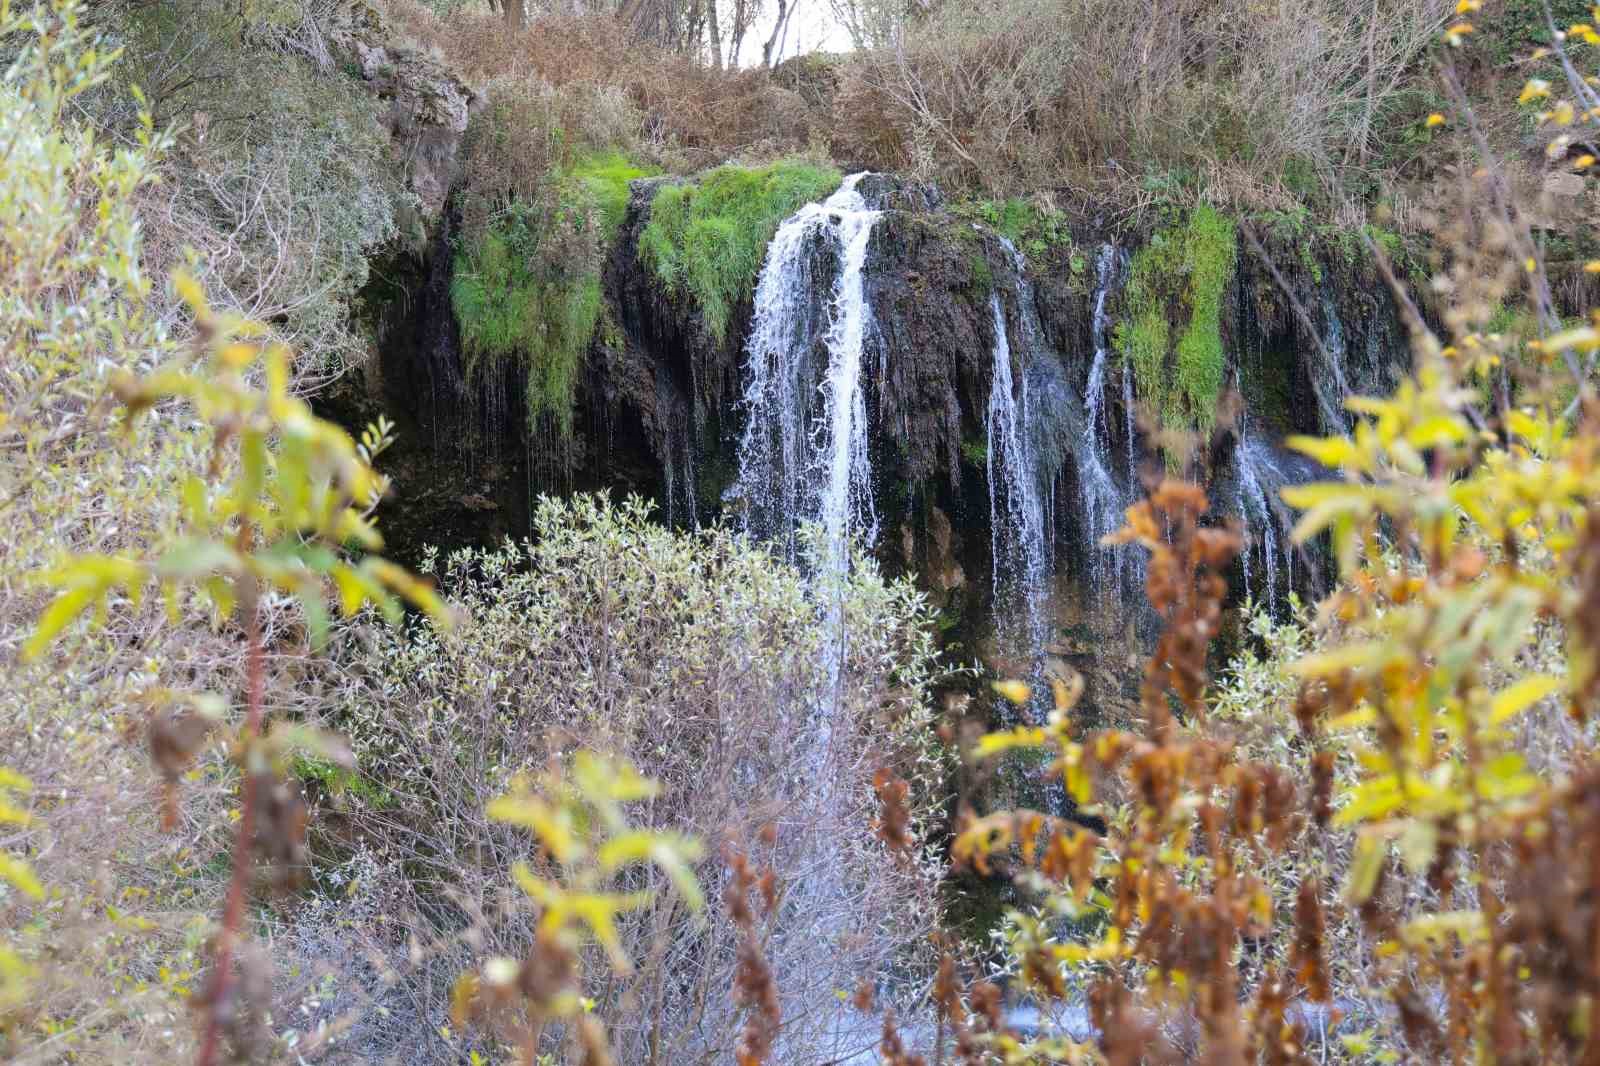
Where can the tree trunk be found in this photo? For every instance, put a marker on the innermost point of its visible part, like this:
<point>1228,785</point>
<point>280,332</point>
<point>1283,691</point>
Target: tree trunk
<point>773,42</point>
<point>714,24</point>
<point>514,13</point>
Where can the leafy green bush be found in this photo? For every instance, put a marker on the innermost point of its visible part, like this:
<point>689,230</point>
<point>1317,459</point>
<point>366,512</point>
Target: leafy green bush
<point>112,927</point>
<point>705,240</point>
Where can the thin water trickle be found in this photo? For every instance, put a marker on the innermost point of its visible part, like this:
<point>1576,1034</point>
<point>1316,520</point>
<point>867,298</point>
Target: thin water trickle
<point>1328,378</point>
<point>1113,572</point>
<point>1016,510</point>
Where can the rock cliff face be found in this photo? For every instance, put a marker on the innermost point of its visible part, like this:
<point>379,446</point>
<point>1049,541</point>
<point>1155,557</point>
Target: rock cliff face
<point>426,106</point>
<point>954,312</point>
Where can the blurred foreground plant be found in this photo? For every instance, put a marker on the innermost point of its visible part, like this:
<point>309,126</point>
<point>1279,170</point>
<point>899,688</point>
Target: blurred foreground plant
<point>284,494</point>
<point>585,845</point>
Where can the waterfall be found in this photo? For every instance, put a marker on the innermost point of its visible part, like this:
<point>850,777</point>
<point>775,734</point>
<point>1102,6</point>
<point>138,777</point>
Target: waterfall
<point>1105,501</point>
<point>1262,472</point>
<point>1016,511</point>
<point>803,457</point>
<point>1330,384</point>
<point>803,462</point>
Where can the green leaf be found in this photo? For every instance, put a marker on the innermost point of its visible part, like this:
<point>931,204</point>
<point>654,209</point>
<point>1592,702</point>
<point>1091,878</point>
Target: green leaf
<point>194,557</point>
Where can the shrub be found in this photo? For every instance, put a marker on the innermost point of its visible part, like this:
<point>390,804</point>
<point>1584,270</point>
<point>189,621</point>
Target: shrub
<point>701,660</point>
<point>705,240</point>
<point>284,206</point>
<point>116,947</point>
<point>1373,839</point>
<point>688,114</point>
<point>1006,96</point>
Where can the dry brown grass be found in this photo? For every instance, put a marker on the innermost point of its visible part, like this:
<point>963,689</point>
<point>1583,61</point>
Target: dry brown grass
<point>689,114</point>
<point>1239,98</point>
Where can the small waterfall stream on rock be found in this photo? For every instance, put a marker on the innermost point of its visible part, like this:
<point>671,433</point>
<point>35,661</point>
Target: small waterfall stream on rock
<point>1262,471</point>
<point>1328,377</point>
<point>1113,572</point>
<point>1261,520</point>
<point>1016,511</point>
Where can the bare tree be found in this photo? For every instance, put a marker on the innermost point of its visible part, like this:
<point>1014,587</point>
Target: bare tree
<point>772,51</point>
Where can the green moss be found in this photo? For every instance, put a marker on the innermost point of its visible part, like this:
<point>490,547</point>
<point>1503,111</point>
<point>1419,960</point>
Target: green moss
<point>602,179</point>
<point>1210,253</point>
<point>706,240</point>
<point>529,286</point>
<point>337,779</point>
<point>1034,230</point>
<point>981,273</point>
<point>511,303</point>
<point>975,452</point>
<point>1177,282</point>
<point>1143,335</point>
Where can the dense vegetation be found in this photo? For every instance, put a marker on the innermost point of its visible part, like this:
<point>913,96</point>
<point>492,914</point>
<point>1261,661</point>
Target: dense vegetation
<point>268,797</point>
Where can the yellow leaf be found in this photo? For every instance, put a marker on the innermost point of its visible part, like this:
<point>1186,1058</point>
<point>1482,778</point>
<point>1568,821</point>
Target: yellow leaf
<point>1331,452</point>
<point>61,612</point>
<point>1365,866</point>
<point>1435,119</point>
<point>1512,701</point>
<point>553,827</point>
<point>1535,89</point>
<point>19,874</point>
<point>189,292</point>
<point>1015,691</point>
<point>993,744</point>
<point>1583,338</point>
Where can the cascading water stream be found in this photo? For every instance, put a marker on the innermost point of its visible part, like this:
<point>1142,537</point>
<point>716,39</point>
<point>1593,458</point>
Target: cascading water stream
<point>1016,511</point>
<point>803,457</point>
<point>1263,471</point>
<point>1330,383</point>
<point>1261,521</point>
<point>803,461</point>
<point>1105,501</point>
